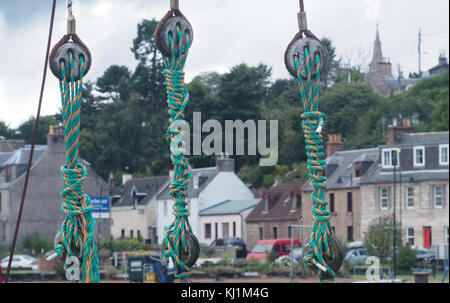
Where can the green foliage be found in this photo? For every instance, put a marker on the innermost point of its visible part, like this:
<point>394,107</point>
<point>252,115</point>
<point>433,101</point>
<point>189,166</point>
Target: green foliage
<point>127,244</point>
<point>406,259</point>
<point>5,131</point>
<point>36,242</point>
<point>25,130</point>
<point>378,239</point>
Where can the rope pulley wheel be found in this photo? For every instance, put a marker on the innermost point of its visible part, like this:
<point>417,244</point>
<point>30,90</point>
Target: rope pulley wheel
<point>297,48</point>
<point>336,257</point>
<point>168,27</point>
<point>190,256</point>
<point>70,43</point>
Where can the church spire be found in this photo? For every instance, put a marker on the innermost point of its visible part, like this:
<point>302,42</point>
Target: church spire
<point>377,54</point>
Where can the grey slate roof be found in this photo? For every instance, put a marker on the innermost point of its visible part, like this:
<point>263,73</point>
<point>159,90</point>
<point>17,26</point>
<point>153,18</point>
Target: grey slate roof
<point>145,189</point>
<point>205,177</point>
<point>22,155</point>
<point>344,161</point>
<point>229,207</point>
<point>414,139</point>
<point>377,175</point>
<point>4,156</point>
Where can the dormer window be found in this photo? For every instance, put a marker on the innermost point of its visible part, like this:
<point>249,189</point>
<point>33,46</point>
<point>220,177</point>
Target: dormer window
<point>443,154</point>
<point>358,169</point>
<point>419,156</point>
<point>389,156</point>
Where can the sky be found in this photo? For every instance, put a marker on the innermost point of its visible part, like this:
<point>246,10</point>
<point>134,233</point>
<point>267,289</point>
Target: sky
<point>226,33</point>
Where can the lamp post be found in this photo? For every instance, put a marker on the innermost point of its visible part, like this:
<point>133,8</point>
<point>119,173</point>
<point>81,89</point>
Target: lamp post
<point>395,163</point>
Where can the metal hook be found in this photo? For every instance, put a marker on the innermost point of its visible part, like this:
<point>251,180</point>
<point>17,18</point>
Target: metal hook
<point>71,25</point>
<point>175,4</point>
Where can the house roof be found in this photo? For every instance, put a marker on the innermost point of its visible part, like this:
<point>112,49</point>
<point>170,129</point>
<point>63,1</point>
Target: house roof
<point>280,204</point>
<point>4,156</point>
<point>229,207</point>
<point>204,175</point>
<point>414,139</point>
<point>340,178</point>
<point>144,188</point>
<point>21,155</point>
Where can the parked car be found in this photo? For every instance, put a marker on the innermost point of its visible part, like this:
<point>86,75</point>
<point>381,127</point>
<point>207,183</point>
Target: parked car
<point>297,256</point>
<point>356,255</point>
<point>21,262</point>
<point>425,255</point>
<point>241,247</point>
<point>280,247</point>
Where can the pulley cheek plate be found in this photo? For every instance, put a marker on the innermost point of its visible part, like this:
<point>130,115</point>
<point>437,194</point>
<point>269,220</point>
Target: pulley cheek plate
<point>193,249</point>
<point>168,26</point>
<point>60,53</point>
<point>297,49</point>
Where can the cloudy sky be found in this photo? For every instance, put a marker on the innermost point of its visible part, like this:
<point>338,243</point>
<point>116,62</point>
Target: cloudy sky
<point>227,32</point>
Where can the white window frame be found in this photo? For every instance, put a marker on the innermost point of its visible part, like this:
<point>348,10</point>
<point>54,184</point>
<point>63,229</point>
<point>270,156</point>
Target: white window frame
<point>407,197</point>
<point>381,198</point>
<point>441,196</point>
<point>408,236</point>
<point>416,148</point>
<point>390,150</point>
<point>441,147</point>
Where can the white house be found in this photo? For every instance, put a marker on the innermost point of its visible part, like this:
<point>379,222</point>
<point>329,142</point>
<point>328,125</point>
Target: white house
<point>207,187</point>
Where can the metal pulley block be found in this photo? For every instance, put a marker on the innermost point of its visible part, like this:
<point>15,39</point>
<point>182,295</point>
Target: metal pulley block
<point>296,49</point>
<point>337,254</point>
<point>60,53</point>
<point>193,249</point>
<point>169,25</point>
<point>59,241</point>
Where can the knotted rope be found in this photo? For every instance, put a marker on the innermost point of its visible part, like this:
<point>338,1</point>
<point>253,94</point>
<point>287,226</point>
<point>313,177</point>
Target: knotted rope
<point>78,224</point>
<point>313,122</point>
<point>178,98</point>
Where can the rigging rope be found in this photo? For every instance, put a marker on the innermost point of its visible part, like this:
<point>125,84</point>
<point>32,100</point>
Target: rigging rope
<point>78,223</point>
<point>177,99</point>
<point>313,122</point>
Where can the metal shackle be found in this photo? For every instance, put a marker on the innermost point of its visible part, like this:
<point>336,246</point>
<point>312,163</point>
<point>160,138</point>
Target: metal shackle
<point>60,53</point>
<point>193,249</point>
<point>296,49</point>
<point>169,26</point>
<point>337,254</point>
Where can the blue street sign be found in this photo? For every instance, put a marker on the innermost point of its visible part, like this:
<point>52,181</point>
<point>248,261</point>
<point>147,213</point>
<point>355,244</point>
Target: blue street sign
<point>100,204</point>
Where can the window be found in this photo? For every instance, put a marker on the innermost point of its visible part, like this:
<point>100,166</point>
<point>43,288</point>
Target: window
<point>290,231</point>
<point>332,203</point>
<point>349,202</point>
<point>358,169</point>
<point>165,208</point>
<point>275,232</point>
<point>216,230</point>
<point>409,196</point>
<point>437,196</point>
<point>207,230</point>
<point>139,234</point>
<point>419,156</point>
<point>443,154</point>
<point>261,233</point>
<point>388,157</point>
<point>384,198</point>
<point>234,229</point>
<point>131,234</point>
<point>349,233</point>
<point>122,233</point>
<point>0,202</point>
<point>225,229</point>
<point>410,236</point>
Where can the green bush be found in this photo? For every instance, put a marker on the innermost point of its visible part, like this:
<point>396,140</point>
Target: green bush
<point>126,244</point>
<point>406,259</point>
<point>36,242</point>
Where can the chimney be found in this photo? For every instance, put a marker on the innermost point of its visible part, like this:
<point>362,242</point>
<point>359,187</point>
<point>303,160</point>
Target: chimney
<point>225,164</point>
<point>266,202</point>
<point>126,176</point>
<point>398,129</point>
<point>442,59</point>
<point>334,144</point>
<point>55,140</point>
<point>11,145</point>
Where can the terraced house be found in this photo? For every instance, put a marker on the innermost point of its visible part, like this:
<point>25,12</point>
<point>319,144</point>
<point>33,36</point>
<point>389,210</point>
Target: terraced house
<point>411,173</point>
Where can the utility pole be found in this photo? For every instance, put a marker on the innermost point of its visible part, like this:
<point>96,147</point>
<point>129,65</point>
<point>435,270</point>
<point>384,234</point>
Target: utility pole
<point>420,53</point>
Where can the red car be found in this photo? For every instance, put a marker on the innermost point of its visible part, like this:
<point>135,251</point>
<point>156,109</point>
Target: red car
<point>263,248</point>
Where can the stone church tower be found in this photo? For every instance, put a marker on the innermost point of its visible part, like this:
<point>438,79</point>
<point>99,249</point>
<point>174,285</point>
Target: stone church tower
<point>380,75</point>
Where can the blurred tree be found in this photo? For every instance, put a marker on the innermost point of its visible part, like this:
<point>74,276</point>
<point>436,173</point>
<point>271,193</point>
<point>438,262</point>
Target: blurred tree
<point>378,239</point>
<point>115,82</point>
